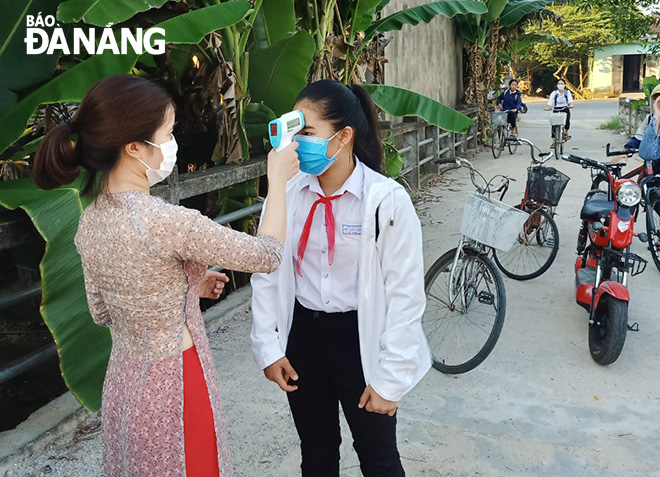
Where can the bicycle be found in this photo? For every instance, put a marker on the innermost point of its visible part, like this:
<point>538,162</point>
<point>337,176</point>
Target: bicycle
<point>537,245</point>
<point>466,298</point>
<point>501,130</point>
<point>558,123</point>
<point>649,183</point>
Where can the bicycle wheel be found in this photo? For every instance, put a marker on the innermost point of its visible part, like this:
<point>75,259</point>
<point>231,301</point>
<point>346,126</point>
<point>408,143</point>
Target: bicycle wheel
<point>653,230</point>
<point>559,148</point>
<point>513,147</point>
<point>535,249</point>
<point>497,141</point>
<point>462,329</point>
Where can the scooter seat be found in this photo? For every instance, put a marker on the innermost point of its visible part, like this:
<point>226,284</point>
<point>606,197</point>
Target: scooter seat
<point>596,207</point>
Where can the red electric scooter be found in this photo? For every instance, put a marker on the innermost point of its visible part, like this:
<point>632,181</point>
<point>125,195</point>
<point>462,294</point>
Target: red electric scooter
<point>605,261</point>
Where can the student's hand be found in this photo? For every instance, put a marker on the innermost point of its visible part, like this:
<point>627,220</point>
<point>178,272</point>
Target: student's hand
<point>514,110</point>
<point>500,107</point>
<point>571,105</point>
<point>213,284</point>
<point>547,108</point>
<point>283,165</point>
<point>280,372</point>
<point>375,403</point>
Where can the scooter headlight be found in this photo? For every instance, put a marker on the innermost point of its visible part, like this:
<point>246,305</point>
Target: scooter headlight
<point>629,194</point>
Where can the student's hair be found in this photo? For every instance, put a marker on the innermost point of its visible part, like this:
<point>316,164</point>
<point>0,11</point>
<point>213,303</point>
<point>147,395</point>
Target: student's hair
<point>562,80</point>
<point>115,111</point>
<point>513,81</point>
<point>348,106</point>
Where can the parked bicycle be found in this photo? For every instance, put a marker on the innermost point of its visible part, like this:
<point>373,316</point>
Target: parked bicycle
<point>466,299</point>
<point>649,182</point>
<point>537,244</point>
<point>501,130</point>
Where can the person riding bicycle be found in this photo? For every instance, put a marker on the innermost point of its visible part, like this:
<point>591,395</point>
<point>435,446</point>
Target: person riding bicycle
<point>649,148</point>
<point>636,140</point>
<point>511,100</point>
<point>561,101</point>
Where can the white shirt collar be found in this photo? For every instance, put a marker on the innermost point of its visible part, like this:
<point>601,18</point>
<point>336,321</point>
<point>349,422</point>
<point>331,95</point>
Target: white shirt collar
<point>354,184</point>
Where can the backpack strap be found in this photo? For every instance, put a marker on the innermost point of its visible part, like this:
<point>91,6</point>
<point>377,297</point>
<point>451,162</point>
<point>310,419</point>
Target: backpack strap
<point>377,223</point>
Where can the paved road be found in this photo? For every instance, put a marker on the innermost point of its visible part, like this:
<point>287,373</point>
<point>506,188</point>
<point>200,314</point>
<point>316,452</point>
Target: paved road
<point>539,405</point>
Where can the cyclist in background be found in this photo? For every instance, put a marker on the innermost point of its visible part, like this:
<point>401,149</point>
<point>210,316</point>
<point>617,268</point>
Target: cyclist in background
<point>561,101</point>
<point>511,100</point>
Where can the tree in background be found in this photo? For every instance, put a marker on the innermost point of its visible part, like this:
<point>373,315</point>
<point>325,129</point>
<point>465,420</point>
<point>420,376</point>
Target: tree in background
<point>583,30</point>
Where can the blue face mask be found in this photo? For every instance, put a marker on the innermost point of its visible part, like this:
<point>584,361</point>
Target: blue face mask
<point>312,154</point>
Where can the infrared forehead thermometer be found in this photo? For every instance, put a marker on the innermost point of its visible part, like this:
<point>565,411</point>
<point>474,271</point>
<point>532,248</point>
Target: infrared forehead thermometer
<point>282,129</point>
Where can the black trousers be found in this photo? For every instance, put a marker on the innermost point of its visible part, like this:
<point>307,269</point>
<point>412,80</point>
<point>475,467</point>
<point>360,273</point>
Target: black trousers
<point>324,350</point>
<point>511,118</point>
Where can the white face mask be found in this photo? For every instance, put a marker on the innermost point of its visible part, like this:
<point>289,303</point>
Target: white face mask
<point>561,87</point>
<point>168,149</point>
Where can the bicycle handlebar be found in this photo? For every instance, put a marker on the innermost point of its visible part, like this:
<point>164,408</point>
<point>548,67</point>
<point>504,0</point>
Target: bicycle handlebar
<point>626,152</point>
<point>520,141</point>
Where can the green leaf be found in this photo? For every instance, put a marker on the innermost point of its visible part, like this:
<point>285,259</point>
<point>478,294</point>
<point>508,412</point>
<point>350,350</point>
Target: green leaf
<point>278,73</point>
<point>503,55</point>
<point>256,118</point>
<point>402,102</point>
<point>495,8</point>
<point>382,5</point>
<point>71,85</point>
<point>363,15</point>
<point>84,347</point>
<point>103,12</point>
<point>423,13</point>
<point>516,10</point>
<point>394,160</point>
<point>648,83</point>
<point>191,27</point>
<point>275,21</point>
<point>469,26</point>
<point>22,72</point>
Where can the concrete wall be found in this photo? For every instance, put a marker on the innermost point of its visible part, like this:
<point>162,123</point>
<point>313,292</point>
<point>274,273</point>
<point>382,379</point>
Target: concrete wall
<point>426,58</point>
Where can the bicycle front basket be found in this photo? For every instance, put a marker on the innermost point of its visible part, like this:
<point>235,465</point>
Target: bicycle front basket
<point>492,222</point>
<point>557,119</point>
<point>498,118</point>
<point>546,184</point>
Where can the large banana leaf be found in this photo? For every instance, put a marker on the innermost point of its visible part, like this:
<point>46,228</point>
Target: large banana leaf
<point>104,12</point>
<point>363,14</point>
<point>275,21</point>
<point>72,84</point>
<point>403,102</point>
<point>495,8</point>
<point>423,13</point>
<point>13,58</point>
<point>278,73</point>
<point>84,348</point>
<point>515,10</point>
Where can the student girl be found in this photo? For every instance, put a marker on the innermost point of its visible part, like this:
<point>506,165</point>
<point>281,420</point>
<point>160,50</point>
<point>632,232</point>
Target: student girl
<point>340,321</point>
<point>511,100</point>
<point>561,101</point>
<point>144,263</point>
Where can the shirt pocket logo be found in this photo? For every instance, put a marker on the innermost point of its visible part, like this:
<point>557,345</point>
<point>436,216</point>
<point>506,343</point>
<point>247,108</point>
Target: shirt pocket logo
<point>351,229</point>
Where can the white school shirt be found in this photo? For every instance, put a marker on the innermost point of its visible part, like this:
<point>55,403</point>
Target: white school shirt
<point>563,100</point>
<point>332,289</point>
<point>391,298</point>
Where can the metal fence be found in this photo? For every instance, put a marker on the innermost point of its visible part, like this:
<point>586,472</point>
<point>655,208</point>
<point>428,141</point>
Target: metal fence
<point>630,117</point>
<point>421,145</point>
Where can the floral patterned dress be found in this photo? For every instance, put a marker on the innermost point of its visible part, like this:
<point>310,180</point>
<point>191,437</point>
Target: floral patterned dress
<point>143,261</point>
